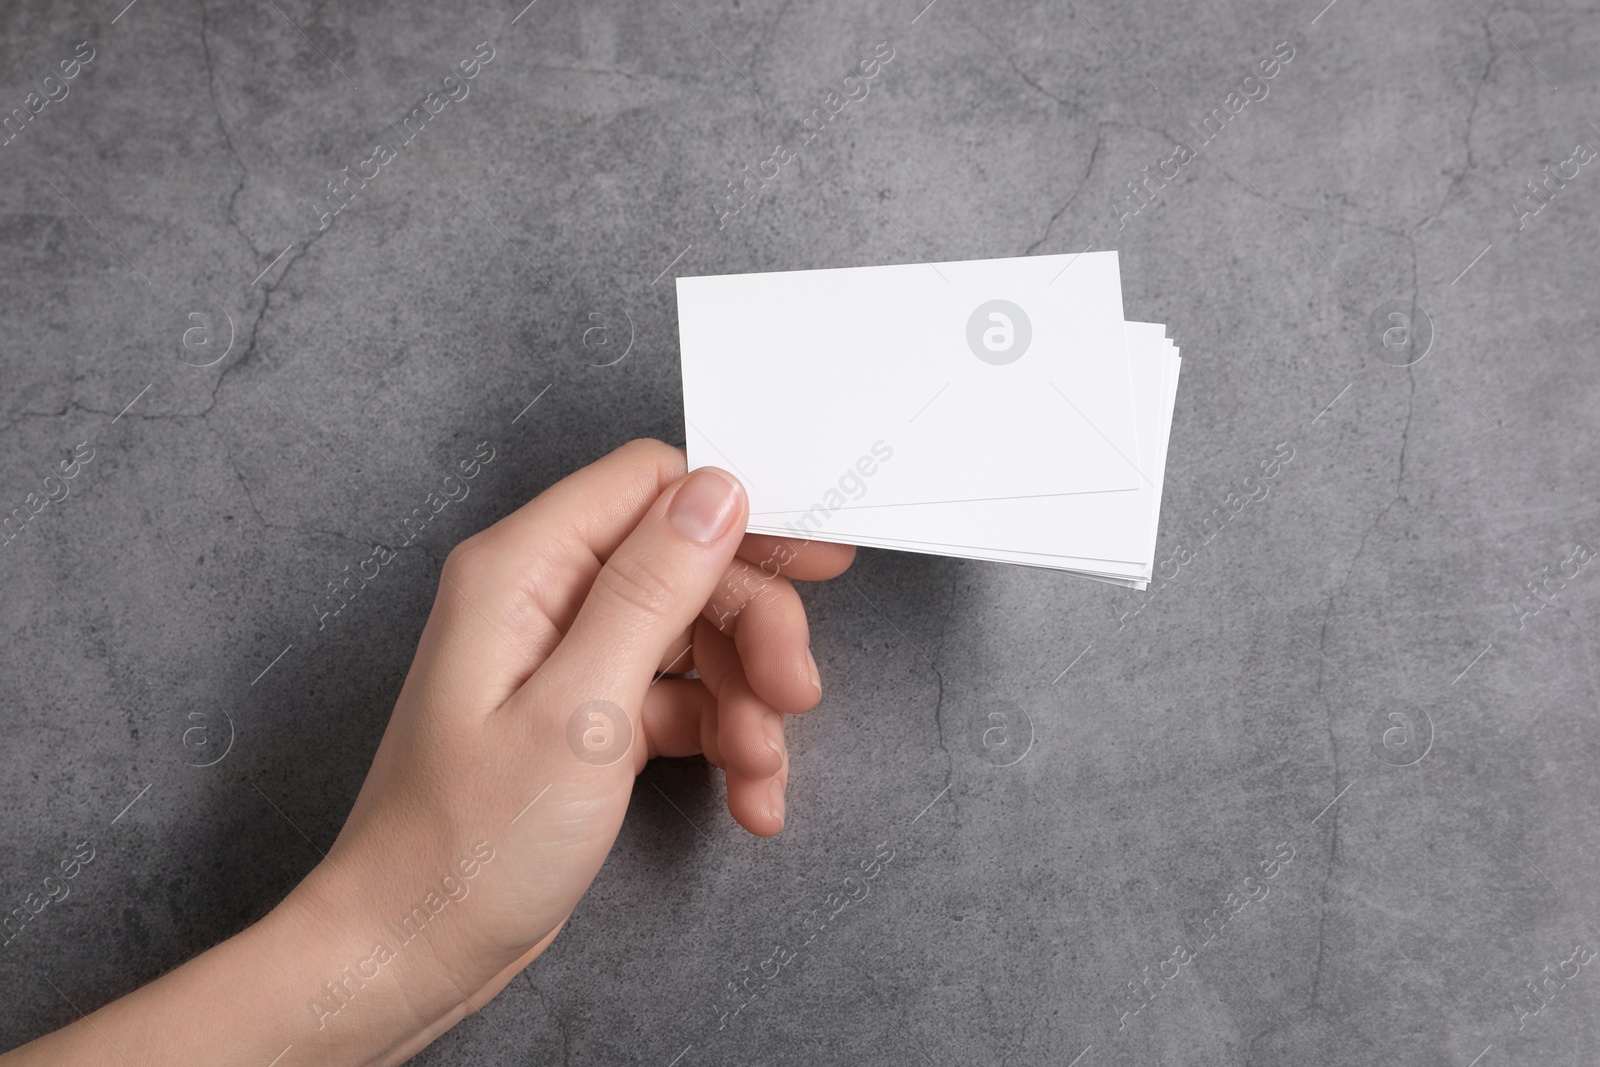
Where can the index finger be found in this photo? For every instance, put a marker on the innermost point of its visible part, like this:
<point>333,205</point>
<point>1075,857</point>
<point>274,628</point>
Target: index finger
<point>794,557</point>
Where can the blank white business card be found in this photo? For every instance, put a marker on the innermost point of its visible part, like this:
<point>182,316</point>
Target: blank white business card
<point>988,379</point>
<point>1107,535</point>
<point>917,530</point>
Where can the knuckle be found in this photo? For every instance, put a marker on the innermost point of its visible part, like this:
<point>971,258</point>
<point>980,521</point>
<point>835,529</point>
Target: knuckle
<point>745,587</point>
<point>485,579</point>
<point>466,560</point>
<point>639,583</point>
<point>650,449</point>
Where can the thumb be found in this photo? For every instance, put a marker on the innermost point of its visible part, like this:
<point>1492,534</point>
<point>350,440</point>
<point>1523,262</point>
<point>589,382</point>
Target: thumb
<point>649,591</point>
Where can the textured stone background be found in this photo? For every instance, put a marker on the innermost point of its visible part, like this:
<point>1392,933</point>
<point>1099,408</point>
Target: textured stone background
<point>1244,706</point>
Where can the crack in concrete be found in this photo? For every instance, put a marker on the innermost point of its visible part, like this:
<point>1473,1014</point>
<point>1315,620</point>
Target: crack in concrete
<point>268,290</point>
<point>1322,643</point>
<point>1022,1039</point>
<point>558,1018</point>
<point>1027,78</point>
<point>1333,749</point>
<point>1471,163</point>
<point>614,71</point>
<point>267,524</point>
<point>237,473</point>
<point>938,707</point>
<point>227,137</point>
<point>766,39</point>
<point>1286,206</point>
<point>1099,138</point>
<point>78,405</point>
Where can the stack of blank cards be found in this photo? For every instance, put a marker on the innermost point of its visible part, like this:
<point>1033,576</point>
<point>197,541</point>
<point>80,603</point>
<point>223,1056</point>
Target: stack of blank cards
<point>996,409</point>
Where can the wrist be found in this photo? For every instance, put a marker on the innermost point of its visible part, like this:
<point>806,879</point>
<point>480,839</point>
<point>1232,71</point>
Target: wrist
<point>366,979</point>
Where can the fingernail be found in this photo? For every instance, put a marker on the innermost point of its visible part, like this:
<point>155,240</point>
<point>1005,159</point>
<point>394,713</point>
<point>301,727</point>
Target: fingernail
<point>705,506</point>
<point>775,798</point>
<point>811,664</point>
<point>774,728</point>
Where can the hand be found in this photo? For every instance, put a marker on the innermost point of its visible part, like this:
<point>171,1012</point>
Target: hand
<point>500,784</point>
<point>530,708</point>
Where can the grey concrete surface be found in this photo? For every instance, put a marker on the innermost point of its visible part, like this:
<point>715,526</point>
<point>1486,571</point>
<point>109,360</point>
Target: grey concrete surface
<point>1354,672</point>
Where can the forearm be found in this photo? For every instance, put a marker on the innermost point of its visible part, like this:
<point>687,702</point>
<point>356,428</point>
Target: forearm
<point>288,990</point>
